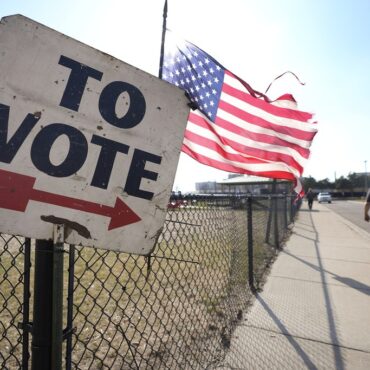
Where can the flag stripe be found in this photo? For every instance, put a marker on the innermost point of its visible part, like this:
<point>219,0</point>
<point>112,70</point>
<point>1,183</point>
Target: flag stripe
<point>254,153</point>
<point>222,163</point>
<point>245,145</point>
<point>300,130</point>
<point>251,127</point>
<point>222,149</point>
<point>235,85</point>
<point>244,115</point>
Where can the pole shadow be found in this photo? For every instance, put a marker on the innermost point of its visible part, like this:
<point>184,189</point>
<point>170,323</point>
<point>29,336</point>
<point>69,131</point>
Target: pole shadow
<point>306,359</point>
<point>352,283</point>
<point>337,352</point>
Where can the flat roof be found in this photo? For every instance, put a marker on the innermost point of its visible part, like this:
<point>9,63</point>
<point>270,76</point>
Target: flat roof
<point>248,179</point>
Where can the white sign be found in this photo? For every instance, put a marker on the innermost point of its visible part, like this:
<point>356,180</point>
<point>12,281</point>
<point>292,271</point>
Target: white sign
<point>85,140</point>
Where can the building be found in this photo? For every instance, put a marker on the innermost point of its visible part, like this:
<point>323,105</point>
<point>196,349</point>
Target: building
<point>207,187</point>
<point>243,184</point>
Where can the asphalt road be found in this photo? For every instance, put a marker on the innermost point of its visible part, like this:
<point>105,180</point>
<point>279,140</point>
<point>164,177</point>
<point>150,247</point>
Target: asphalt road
<point>350,210</point>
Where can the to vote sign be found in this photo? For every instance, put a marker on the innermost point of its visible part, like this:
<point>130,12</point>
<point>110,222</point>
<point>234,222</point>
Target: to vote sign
<point>85,140</point>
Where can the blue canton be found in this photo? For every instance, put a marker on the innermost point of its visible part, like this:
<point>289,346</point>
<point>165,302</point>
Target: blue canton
<point>198,74</point>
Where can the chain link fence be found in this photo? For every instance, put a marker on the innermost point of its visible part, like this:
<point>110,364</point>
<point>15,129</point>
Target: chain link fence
<point>174,309</point>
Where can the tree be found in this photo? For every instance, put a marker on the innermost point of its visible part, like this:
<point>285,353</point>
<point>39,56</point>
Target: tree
<point>325,184</point>
<point>308,182</point>
<point>343,183</point>
<point>357,180</point>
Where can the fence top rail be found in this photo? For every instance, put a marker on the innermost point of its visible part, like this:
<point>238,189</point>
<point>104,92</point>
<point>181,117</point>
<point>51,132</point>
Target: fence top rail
<point>230,196</point>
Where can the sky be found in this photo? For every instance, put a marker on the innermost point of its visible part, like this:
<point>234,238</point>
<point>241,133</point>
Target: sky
<point>324,42</point>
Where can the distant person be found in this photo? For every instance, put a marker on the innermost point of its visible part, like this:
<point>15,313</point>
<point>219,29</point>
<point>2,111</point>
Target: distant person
<point>310,197</point>
<point>367,206</point>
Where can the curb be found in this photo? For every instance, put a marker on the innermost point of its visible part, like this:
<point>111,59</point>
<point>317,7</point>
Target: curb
<point>351,225</point>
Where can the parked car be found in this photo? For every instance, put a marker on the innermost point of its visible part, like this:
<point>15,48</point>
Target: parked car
<point>177,203</point>
<point>324,197</point>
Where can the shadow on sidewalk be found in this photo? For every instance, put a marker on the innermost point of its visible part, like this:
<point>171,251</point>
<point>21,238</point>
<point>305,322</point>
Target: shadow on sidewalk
<point>352,283</point>
<point>335,343</point>
<point>329,309</point>
<point>284,331</point>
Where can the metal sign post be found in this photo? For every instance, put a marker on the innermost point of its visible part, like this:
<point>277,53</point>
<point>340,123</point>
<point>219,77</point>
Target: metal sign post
<point>47,329</point>
<point>42,305</point>
<point>57,298</point>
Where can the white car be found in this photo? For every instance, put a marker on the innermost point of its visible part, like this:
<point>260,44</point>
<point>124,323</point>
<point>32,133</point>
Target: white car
<point>324,197</point>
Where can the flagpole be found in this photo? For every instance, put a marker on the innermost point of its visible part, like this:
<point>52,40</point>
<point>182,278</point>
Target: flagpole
<point>163,39</point>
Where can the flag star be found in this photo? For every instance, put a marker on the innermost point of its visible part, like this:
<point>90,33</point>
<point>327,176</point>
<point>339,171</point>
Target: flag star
<point>208,94</point>
<point>192,90</point>
<point>211,103</point>
<point>194,66</point>
<point>183,70</point>
<point>207,61</point>
<point>177,72</point>
<point>205,73</point>
<point>209,114</point>
<point>193,78</point>
<point>209,83</point>
<point>214,92</point>
<point>187,80</point>
<point>197,87</point>
<point>203,85</point>
<point>201,97</point>
<point>205,106</point>
<point>211,70</point>
<point>182,82</point>
<point>200,63</point>
<point>188,67</point>
<point>195,53</point>
<point>218,67</point>
<point>178,59</point>
<point>216,80</point>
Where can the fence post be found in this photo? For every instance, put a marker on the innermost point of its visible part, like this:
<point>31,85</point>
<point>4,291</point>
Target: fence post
<point>47,329</point>
<point>250,244</point>
<point>268,226</point>
<point>274,211</point>
<point>285,211</point>
<point>276,223</point>
<point>69,328</point>
<point>42,302</point>
<point>57,299</point>
<point>26,304</point>
<point>291,205</point>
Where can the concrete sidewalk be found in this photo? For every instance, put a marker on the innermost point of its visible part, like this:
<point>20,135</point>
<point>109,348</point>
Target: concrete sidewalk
<point>314,311</point>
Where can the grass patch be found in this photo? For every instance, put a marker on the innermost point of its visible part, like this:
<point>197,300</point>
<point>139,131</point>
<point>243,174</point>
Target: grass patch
<point>176,307</point>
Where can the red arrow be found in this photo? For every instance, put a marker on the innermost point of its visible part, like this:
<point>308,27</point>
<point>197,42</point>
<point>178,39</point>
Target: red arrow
<point>17,190</point>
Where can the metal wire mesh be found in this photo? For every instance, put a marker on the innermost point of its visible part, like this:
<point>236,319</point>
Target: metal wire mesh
<point>174,309</point>
<point>14,267</point>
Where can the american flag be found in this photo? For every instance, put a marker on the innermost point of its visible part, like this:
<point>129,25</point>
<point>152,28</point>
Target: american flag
<point>234,128</point>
